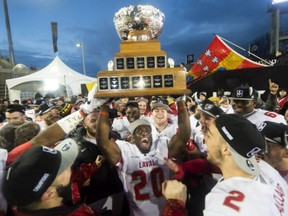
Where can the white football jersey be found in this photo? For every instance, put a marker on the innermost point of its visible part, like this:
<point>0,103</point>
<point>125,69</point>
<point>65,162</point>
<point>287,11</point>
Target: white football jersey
<point>239,196</point>
<point>196,134</point>
<point>198,138</point>
<point>272,177</point>
<point>227,108</point>
<point>259,115</point>
<point>142,176</point>
<point>168,132</point>
<point>3,159</point>
<point>265,195</point>
<point>120,125</point>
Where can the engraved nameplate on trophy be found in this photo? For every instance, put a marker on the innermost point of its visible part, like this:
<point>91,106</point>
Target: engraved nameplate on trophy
<point>103,83</point>
<point>125,83</point>
<point>114,83</point>
<point>130,63</point>
<point>140,62</point>
<point>120,63</point>
<point>168,81</point>
<point>147,81</point>
<point>160,61</point>
<point>150,62</point>
<point>136,82</point>
<point>157,81</point>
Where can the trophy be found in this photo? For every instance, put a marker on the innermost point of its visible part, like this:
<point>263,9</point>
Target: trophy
<point>140,68</point>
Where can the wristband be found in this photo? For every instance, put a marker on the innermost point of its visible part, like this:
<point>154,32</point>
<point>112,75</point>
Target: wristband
<point>82,113</point>
<point>71,121</point>
<point>104,113</point>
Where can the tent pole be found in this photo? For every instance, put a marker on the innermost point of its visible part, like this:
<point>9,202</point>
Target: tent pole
<point>5,91</point>
<point>67,94</point>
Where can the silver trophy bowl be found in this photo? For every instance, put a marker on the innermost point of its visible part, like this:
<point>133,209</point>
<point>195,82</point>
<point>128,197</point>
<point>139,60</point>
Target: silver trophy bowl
<point>140,22</point>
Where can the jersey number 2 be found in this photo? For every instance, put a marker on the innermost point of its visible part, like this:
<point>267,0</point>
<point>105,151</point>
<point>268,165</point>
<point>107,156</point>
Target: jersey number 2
<point>231,201</point>
<point>157,178</point>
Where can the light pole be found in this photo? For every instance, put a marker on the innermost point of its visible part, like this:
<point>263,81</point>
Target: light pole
<point>11,50</point>
<point>83,57</point>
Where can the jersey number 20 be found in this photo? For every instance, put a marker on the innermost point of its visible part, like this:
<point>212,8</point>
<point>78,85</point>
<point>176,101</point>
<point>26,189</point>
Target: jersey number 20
<point>156,177</point>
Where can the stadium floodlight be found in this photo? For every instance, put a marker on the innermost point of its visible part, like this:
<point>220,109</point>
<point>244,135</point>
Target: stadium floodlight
<point>278,1</point>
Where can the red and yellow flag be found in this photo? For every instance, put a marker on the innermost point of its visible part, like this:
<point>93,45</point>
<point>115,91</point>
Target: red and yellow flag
<point>219,55</point>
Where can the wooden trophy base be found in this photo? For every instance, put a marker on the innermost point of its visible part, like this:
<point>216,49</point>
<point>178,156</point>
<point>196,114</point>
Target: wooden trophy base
<point>129,83</point>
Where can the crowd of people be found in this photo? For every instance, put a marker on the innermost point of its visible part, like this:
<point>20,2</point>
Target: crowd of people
<point>159,155</point>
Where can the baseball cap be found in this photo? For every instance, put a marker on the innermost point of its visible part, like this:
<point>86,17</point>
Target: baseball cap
<point>244,140</point>
<point>244,92</point>
<point>46,107</point>
<point>132,104</point>
<point>137,123</point>
<point>16,101</point>
<point>142,99</point>
<point>15,108</point>
<point>210,109</point>
<point>275,132</point>
<point>29,176</point>
<point>65,109</point>
<point>160,103</point>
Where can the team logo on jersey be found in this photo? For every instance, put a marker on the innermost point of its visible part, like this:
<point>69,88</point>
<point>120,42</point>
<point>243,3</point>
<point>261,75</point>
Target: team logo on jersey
<point>208,106</point>
<point>134,156</point>
<point>239,93</point>
<point>262,126</point>
<point>250,165</point>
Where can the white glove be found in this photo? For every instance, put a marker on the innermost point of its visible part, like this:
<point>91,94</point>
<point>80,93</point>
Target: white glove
<point>181,98</point>
<point>92,102</point>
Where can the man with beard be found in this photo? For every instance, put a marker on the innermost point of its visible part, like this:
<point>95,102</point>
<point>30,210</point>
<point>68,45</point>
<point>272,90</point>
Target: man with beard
<point>15,112</point>
<point>233,142</point>
<point>243,101</point>
<point>48,137</point>
<point>45,187</point>
<point>121,124</point>
<point>99,189</point>
<point>49,114</point>
<point>141,165</point>
<point>143,106</point>
<point>208,112</point>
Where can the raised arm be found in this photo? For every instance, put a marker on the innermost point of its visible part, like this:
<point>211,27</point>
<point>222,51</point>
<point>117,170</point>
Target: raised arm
<point>271,102</point>
<point>179,140</point>
<point>109,149</point>
<point>59,129</point>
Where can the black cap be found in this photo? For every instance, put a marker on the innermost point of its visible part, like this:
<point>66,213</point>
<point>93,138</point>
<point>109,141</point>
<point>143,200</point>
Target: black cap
<point>244,140</point>
<point>65,109</point>
<point>46,107</point>
<point>244,92</point>
<point>29,176</point>
<point>275,132</point>
<point>15,108</point>
<point>210,108</point>
<point>132,104</point>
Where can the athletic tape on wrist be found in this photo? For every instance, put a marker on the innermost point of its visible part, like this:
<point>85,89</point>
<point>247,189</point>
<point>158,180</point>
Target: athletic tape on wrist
<point>70,122</point>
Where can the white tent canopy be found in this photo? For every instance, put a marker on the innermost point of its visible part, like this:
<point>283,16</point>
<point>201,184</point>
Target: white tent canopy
<point>55,73</point>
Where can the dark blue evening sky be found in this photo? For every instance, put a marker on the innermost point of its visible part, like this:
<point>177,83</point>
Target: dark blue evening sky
<point>188,28</point>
